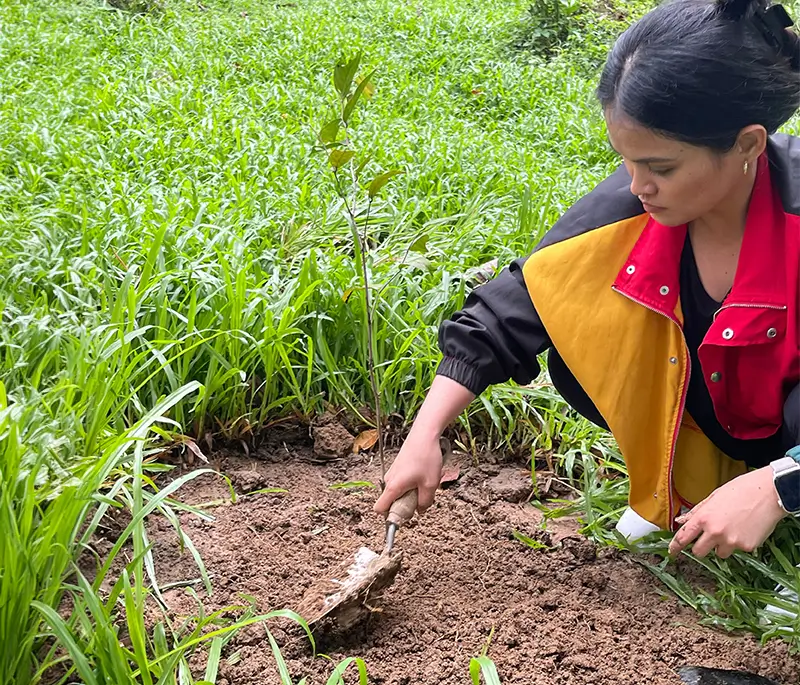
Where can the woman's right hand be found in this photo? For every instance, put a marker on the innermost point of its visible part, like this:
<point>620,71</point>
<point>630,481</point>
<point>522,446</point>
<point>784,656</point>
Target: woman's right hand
<point>417,465</point>
<point>419,462</point>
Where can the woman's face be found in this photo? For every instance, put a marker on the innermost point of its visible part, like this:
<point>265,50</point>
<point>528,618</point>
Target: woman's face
<point>677,183</point>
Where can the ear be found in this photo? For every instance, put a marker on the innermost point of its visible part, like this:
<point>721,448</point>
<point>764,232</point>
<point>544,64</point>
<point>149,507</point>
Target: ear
<point>751,141</point>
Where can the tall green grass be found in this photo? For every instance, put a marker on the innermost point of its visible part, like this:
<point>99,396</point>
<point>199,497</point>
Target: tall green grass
<point>174,259</point>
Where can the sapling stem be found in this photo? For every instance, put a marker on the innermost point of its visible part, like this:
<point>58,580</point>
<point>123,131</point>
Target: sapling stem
<point>363,238</point>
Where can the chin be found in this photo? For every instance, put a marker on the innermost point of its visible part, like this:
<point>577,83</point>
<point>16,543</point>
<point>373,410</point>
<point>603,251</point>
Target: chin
<point>667,218</point>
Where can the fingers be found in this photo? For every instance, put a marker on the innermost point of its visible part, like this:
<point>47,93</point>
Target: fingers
<point>723,551</point>
<point>425,498</point>
<point>705,543</point>
<point>394,489</point>
<point>685,536</point>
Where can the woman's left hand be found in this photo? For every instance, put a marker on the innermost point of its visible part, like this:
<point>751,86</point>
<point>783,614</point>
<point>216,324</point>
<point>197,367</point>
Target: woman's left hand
<point>738,515</point>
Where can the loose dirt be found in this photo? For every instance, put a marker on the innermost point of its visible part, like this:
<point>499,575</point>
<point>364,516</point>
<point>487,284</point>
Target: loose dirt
<point>570,614</point>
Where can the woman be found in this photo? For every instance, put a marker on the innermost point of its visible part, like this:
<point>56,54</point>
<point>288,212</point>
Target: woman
<point>669,297</point>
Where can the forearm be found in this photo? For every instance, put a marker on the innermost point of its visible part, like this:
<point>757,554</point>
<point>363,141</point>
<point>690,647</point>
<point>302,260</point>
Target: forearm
<point>446,399</point>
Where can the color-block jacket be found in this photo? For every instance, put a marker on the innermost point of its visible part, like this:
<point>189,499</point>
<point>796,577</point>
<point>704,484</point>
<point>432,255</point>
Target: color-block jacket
<point>604,288</point>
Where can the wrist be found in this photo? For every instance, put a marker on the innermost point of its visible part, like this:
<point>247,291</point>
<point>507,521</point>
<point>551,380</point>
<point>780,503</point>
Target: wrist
<point>424,428</point>
<point>786,484</point>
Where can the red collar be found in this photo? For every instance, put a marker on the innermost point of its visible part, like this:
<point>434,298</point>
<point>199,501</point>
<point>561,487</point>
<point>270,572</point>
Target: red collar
<point>652,271</point>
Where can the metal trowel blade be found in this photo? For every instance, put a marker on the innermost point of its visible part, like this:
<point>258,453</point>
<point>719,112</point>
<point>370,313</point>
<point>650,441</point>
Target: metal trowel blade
<point>697,675</point>
<point>346,594</point>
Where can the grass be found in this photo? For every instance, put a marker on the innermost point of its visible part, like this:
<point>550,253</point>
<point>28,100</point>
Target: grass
<point>174,260</point>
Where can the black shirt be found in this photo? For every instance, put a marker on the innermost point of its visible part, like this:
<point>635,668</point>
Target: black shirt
<point>699,309</point>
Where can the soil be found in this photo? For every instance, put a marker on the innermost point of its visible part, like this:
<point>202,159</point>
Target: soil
<point>568,614</point>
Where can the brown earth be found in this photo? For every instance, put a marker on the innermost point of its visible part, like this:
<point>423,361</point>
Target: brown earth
<point>571,614</point>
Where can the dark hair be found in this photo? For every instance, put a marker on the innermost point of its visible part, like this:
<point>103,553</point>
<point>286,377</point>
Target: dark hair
<point>699,71</point>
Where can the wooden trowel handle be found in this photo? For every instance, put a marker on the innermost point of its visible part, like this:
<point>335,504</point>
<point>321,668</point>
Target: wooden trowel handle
<point>404,507</point>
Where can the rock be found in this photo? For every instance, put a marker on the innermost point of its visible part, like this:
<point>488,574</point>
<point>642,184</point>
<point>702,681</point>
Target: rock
<point>510,485</point>
<point>331,440</point>
<point>247,480</point>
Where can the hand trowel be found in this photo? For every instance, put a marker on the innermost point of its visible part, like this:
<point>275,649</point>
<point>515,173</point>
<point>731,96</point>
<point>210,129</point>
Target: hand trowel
<point>348,594</point>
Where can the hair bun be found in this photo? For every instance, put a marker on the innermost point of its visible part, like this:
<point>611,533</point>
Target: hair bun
<point>736,9</point>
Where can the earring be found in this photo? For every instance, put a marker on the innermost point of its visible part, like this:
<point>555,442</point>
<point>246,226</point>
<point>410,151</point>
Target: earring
<point>746,167</point>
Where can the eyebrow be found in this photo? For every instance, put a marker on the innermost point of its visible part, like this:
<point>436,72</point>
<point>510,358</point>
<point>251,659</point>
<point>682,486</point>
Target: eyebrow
<point>645,160</point>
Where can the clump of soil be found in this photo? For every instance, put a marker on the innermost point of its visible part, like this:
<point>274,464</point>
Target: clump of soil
<point>567,615</point>
<point>331,439</point>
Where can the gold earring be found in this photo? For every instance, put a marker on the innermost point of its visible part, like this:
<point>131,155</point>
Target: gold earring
<point>746,167</point>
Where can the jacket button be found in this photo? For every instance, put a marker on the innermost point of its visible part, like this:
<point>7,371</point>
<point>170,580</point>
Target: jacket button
<point>772,333</point>
<point>716,377</point>
<point>630,269</point>
<point>727,333</point>
<point>673,360</point>
<point>664,290</point>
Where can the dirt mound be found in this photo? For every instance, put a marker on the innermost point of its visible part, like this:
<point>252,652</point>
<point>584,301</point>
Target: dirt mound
<point>569,614</point>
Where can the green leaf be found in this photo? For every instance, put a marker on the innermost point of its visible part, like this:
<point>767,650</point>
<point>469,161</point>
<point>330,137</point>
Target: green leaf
<point>343,75</point>
<point>382,180</point>
<point>483,665</point>
<point>352,101</point>
<point>64,636</point>
<point>369,89</point>
<point>286,679</point>
<point>339,157</point>
<point>267,491</point>
<point>352,484</point>
<point>530,542</point>
<point>420,244</point>
<point>336,677</point>
<point>366,160</point>
<point>329,132</point>
<point>212,667</point>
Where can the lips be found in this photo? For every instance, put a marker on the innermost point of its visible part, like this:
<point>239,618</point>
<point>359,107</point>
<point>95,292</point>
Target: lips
<point>651,209</point>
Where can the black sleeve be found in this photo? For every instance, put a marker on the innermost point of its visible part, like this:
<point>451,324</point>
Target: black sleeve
<point>791,419</point>
<point>495,337</point>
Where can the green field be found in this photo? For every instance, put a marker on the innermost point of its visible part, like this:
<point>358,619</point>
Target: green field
<point>176,261</point>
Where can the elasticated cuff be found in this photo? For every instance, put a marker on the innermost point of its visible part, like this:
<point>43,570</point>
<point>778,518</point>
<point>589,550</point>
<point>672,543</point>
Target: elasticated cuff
<point>463,373</point>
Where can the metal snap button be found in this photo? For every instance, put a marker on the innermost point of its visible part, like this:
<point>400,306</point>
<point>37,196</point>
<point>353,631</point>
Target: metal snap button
<point>727,333</point>
<point>630,269</point>
<point>772,333</point>
<point>664,290</point>
<point>673,360</point>
<point>716,377</point>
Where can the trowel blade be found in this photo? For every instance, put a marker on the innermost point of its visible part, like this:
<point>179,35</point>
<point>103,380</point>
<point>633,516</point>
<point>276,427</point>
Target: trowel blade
<point>345,594</point>
<point>697,675</point>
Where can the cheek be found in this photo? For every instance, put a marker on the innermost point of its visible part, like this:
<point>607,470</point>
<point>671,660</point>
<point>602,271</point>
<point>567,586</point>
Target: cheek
<point>694,188</point>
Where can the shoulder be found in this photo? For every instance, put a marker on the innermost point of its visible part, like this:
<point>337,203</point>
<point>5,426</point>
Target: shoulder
<point>609,203</point>
<point>783,152</point>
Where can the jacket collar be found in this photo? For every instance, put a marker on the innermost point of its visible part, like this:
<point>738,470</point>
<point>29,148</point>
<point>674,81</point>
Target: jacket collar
<point>651,274</point>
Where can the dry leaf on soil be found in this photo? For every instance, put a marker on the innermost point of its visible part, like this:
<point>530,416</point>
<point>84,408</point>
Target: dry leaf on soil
<point>365,440</point>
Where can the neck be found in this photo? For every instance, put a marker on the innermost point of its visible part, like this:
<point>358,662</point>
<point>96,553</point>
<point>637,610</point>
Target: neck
<point>726,222</point>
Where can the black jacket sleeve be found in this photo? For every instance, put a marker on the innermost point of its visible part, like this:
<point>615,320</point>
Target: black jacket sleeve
<point>495,337</point>
<point>791,419</point>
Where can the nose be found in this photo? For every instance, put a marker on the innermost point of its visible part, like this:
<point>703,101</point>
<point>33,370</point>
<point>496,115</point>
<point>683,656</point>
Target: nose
<point>641,184</point>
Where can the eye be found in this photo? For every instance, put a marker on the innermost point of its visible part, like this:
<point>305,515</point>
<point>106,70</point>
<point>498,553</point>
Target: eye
<point>662,172</point>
